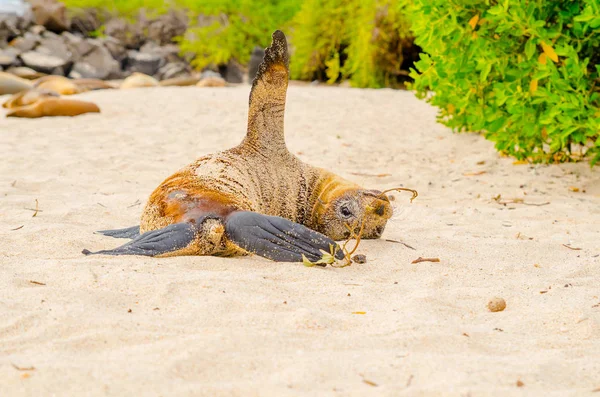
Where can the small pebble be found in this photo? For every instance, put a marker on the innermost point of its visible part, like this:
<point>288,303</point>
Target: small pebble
<point>497,305</point>
<point>359,258</point>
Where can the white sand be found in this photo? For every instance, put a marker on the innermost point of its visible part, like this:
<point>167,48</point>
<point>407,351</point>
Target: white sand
<point>249,327</point>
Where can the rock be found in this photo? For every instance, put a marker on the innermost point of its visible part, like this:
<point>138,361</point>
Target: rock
<point>139,80</point>
<point>97,64</point>
<point>8,57</point>
<point>166,27</point>
<point>54,45</point>
<point>37,30</point>
<point>173,70</point>
<point>51,14</point>
<point>116,48</point>
<point>497,305</point>
<point>77,45</point>
<point>143,62</point>
<point>46,63</point>
<point>10,84</point>
<point>233,72</point>
<point>169,52</point>
<point>359,258</point>
<point>25,73</point>
<point>258,53</point>
<point>129,35</point>
<point>85,21</point>
<point>15,18</point>
<point>25,43</point>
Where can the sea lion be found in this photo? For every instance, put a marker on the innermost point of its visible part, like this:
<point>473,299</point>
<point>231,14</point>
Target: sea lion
<point>256,197</point>
<point>184,81</point>
<point>212,81</point>
<point>139,80</point>
<point>10,84</point>
<point>25,73</point>
<point>28,97</point>
<point>93,85</point>
<point>46,107</point>
<point>59,84</point>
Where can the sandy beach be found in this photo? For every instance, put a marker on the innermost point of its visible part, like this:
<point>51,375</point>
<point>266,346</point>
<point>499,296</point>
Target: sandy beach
<point>206,326</point>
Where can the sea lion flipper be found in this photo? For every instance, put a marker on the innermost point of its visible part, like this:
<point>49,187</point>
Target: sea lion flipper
<point>267,97</point>
<point>128,232</point>
<point>276,238</point>
<point>155,242</point>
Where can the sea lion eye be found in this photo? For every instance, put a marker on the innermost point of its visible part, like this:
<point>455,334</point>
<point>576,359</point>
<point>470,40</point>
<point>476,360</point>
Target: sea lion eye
<point>345,211</point>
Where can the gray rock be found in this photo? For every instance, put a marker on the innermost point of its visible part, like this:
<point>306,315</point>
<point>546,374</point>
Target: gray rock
<point>77,45</point>
<point>54,45</point>
<point>25,43</point>
<point>52,14</point>
<point>129,35</point>
<point>8,57</point>
<point>165,28</point>
<point>97,64</point>
<point>232,72</point>
<point>85,21</point>
<point>172,70</point>
<point>13,20</point>
<point>37,30</point>
<point>143,62</point>
<point>258,53</point>
<point>115,47</point>
<point>46,63</point>
<point>209,74</point>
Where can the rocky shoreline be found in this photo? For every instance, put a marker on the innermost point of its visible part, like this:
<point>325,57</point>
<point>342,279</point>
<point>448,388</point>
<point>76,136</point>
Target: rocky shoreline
<point>38,37</point>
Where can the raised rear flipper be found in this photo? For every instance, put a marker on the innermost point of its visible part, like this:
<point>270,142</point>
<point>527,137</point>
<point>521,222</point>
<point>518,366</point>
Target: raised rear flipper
<point>128,232</point>
<point>277,238</point>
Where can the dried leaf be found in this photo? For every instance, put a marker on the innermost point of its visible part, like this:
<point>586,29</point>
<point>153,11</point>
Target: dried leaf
<point>473,21</point>
<point>573,189</point>
<point>533,86</point>
<point>420,259</point>
<point>549,51</point>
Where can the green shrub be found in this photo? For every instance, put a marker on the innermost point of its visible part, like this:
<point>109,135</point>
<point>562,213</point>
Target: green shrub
<point>524,72</point>
<point>236,27</point>
<point>360,40</point>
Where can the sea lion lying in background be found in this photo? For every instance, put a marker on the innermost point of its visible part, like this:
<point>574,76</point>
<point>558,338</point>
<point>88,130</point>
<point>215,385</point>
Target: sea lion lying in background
<point>256,197</point>
<point>54,106</point>
<point>28,97</point>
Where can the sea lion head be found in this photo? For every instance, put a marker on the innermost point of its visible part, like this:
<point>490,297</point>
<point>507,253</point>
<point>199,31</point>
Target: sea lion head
<point>346,209</point>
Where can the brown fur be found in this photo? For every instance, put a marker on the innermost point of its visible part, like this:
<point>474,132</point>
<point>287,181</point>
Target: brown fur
<point>46,107</point>
<point>260,175</point>
<point>25,98</point>
<point>59,84</point>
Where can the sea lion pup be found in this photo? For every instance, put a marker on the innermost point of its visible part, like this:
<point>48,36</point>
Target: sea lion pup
<point>11,84</point>
<point>46,107</point>
<point>28,97</point>
<point>184,81</point>
<point>139,80</point>
<point>256,197</point>
<point>59,84</point>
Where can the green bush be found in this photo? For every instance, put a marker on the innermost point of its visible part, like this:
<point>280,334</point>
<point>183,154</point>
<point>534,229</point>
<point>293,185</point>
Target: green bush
<point>234,28</point>
<point>360,40</point>
<point>524,72</point>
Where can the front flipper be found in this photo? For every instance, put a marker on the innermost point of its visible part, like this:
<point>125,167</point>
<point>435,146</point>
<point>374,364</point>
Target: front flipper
<point>277,238</point>
<point>128,232</point>
<point>156,242</point>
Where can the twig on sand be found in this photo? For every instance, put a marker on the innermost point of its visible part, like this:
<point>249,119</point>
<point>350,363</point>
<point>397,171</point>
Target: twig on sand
<point>420,259</point>
<point>137,202</point>
<point>15,366</point>
<point>17,228</point>
<point>373,175</point>
<point>36,282</point>
<point>400,242</point>
<point>572,248</point>
<point>36,209</point>
<point>410,378</point>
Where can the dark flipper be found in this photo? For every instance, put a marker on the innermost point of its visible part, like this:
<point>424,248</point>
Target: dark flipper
<point>155,242</point>
<point>277,238</point>
<point>129,232</point>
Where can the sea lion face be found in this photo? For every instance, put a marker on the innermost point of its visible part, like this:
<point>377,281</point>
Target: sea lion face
<point>352,208</point>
